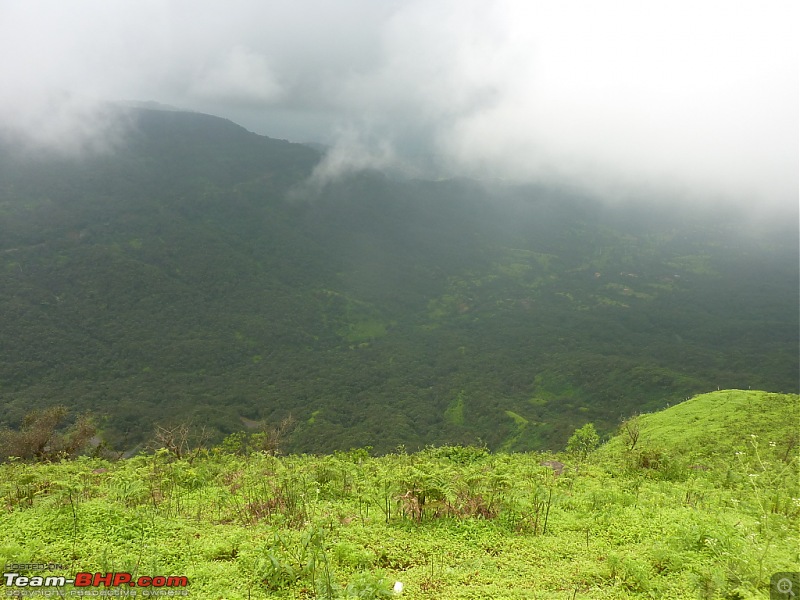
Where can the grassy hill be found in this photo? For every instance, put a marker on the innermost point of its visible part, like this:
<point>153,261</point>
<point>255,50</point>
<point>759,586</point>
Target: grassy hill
<point>712,427</point>
<point>447,522</point>
<point>183,277</point>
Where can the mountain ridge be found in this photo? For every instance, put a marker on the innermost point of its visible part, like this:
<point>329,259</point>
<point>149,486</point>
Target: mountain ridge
<point>173,280</point>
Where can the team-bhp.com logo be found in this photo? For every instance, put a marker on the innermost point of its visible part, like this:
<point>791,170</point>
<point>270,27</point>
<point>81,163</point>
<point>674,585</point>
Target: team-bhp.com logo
<point>164,586</point>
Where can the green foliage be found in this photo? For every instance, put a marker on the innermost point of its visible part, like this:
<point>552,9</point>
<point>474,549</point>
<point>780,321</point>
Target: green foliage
<point>287,561</point>
<point>583,441</point>
<point>455,410</point>
<point>187,276</point>
<point>448,522</point>
<point>461,455</point>
<point>39,437</point>
<point>368,586</point>
<point>715,425</point>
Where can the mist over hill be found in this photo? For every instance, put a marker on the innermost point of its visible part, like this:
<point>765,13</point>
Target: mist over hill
<point>193,274</point>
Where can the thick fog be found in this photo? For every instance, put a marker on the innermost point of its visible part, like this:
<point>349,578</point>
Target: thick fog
<point>632,99</point>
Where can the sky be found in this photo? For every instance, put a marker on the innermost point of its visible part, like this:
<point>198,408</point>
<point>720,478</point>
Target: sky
<point>629,98</point>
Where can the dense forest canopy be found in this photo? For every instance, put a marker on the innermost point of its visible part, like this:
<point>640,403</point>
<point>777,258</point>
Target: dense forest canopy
<point>191,274</point>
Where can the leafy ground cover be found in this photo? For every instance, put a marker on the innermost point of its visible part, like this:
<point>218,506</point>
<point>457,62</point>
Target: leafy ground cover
<point>699,500</point>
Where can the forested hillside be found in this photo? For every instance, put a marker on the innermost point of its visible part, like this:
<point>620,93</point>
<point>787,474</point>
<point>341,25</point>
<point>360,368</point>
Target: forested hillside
<point>190,275</point>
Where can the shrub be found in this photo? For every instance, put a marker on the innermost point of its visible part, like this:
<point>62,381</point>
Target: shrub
<point>39,438</point>
<point>369,586</point>
<point>583,441</point>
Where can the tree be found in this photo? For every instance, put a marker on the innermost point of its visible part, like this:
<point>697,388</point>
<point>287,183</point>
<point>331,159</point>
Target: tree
<point>583,441</point>
<point>270,438</point>
<point>182,440</point>
<point>39,438</point>
<point>632,430</point>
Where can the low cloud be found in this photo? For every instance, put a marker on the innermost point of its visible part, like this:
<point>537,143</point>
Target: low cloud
<point>353,152</point>
<point>239,76</point>
<point>626,99</point>
<point>64,123</point>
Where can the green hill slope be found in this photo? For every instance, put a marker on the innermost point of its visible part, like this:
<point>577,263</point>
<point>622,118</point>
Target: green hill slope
<point>182,277</point>
<point>716,425</point>
<point>446,522</point>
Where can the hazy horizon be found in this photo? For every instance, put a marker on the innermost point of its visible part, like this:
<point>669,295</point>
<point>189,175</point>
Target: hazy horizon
<point>697,101</point>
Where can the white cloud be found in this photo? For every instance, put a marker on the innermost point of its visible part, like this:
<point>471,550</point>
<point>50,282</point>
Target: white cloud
<point>353,151</point>
<point>59,121</point>
<point>238,76</point>
<point>699,96</point>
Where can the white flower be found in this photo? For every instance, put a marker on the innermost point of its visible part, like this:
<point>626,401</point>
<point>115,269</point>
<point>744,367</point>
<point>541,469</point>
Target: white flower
<point>398,587</point>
